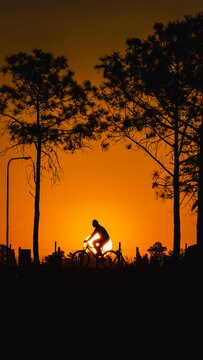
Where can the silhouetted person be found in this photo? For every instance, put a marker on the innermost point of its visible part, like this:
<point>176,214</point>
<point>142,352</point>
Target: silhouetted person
<point>104,236</point>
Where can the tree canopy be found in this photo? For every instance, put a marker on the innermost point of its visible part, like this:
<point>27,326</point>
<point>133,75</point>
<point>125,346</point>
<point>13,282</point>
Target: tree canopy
<point>43,106</point>
<point>153,101</point>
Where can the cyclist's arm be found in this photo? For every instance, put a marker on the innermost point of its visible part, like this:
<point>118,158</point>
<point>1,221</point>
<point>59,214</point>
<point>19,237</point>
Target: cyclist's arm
<point>92,235</point>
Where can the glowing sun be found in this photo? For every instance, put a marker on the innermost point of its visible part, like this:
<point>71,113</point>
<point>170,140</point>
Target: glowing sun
<point>106,247</point>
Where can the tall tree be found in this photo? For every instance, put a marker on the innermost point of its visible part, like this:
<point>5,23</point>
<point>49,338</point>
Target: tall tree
<point>151,98</point>
<point>45,108</point>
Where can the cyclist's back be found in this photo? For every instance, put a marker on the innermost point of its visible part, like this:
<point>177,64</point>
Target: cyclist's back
<point>102,232</point>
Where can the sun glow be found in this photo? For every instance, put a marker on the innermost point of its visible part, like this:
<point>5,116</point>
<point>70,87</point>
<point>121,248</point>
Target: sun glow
<point>106,247</point>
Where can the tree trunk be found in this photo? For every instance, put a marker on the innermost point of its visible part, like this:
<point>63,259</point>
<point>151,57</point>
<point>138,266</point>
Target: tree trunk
<point>200,185</point>
<point>37,200</point>
<point>176,190</point>
<point>37,196</point>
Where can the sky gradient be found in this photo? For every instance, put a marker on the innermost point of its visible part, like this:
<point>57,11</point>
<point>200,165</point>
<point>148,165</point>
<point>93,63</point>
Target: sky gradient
<point>114,187</point>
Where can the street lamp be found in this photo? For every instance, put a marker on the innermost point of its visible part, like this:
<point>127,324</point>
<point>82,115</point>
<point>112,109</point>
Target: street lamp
<point>7,201</point>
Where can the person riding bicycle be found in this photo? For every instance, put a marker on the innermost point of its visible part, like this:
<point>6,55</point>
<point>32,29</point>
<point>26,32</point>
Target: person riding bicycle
<point>103,239</point>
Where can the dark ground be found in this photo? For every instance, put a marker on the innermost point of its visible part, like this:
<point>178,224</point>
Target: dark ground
<point>160,304</point>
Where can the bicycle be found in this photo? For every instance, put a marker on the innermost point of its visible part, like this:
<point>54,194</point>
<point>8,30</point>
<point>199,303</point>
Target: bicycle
<point>81,258</point>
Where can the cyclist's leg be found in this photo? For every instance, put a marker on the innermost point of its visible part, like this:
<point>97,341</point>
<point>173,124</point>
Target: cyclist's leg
<point>101,243</point>
<point>97,245</point>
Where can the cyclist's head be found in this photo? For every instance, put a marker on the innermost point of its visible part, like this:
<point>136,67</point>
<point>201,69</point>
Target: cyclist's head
<point>95,223</point>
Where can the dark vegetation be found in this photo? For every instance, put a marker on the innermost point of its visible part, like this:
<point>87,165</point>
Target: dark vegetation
<point>142,297</point>
<point>150,290</point>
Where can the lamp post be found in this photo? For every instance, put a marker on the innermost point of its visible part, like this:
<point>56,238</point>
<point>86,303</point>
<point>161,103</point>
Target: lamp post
<point>7,201</point>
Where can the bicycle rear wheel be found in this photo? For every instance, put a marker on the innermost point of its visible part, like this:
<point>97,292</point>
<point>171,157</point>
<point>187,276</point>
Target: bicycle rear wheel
<point>110,259</point>
<point>80,259</point>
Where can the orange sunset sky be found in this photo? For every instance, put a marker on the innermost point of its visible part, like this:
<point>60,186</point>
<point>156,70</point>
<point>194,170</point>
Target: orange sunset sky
<point>114,186</point>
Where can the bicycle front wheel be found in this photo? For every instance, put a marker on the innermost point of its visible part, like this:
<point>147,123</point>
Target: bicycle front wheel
<point>80,259</point>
